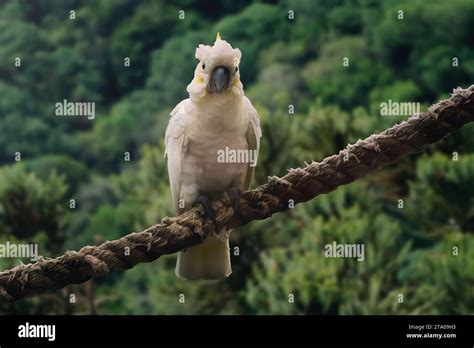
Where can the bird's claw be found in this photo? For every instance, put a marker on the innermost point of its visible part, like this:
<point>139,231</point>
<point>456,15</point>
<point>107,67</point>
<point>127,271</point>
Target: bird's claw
<point>234,197</point>
<point>206,205</point>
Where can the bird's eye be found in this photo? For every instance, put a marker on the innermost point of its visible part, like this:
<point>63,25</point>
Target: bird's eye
<point>203,66</point>
<point>236,68</point>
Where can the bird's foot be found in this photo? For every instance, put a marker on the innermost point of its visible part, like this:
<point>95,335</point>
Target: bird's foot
<point>234,197</point>
<point>206,205</point>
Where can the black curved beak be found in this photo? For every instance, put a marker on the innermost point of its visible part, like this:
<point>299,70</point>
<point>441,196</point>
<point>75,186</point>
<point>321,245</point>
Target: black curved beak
<point>220,79</point>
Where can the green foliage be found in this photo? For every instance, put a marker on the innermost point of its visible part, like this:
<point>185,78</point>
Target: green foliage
<point>350,78</point>
<point>75,173</point>
<point>128,127</point>
<point>138,36</point>
<point>423,47</point>
<point>442,186</point>
<point>322,285</point>
<point>173,66</point>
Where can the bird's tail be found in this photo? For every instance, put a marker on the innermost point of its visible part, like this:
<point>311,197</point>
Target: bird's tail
<point>209,260</point>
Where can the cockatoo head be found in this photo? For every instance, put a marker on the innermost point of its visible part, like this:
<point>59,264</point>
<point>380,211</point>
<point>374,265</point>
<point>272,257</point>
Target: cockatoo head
<point>217,71</point>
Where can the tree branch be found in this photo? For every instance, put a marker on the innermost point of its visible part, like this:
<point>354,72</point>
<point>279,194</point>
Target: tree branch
<point>192,227</point>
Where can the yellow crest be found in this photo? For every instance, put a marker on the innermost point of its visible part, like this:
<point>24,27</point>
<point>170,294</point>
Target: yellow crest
<point>218,36</point>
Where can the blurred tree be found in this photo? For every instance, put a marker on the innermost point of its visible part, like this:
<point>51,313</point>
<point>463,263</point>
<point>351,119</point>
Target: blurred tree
<point>422,44</point>
<point>344,71</point>
<point>75,173</point>
<point>31,208</point>
<point>323,285</point>
<point>286,62</point>
<point>252,30</point>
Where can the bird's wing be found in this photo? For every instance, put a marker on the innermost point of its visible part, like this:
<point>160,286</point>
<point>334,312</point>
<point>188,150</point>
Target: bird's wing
<point>254,133</point>
<point>176,144</point>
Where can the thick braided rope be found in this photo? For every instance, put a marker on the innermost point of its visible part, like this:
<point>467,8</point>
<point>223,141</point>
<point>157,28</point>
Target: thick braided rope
<point>191,228</point>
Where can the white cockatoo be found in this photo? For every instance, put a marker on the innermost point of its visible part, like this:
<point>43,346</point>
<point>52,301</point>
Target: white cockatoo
<point>212,141</point>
